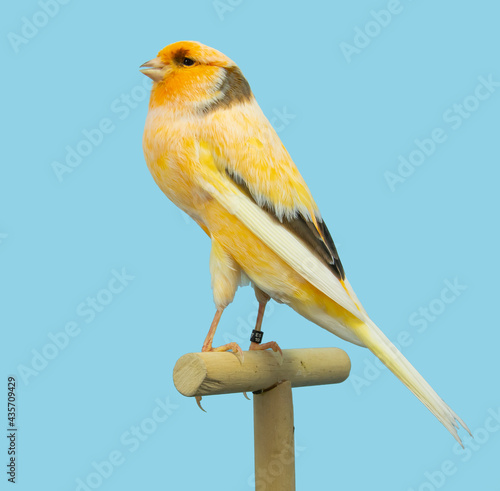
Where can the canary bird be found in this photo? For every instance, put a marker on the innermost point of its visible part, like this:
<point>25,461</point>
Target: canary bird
<point>215,155</point>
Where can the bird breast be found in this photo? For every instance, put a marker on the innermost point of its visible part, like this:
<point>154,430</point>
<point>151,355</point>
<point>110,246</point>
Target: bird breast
<point>170,149</point>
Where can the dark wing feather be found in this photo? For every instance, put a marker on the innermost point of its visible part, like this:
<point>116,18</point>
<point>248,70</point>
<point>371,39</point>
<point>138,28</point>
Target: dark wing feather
<point>319,240</point>
<point>325,249</point>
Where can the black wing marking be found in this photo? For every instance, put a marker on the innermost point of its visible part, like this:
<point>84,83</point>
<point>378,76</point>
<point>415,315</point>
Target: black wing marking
<point>325,249</point>
<point>305,230</point>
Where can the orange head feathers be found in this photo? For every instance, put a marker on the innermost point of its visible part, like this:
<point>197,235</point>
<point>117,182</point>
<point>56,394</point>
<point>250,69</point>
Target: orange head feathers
<point>188,73</point>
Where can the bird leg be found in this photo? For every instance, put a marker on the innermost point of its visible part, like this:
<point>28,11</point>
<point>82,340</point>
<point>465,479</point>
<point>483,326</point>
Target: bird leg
<point>262,298</point>
<point>207,345</point>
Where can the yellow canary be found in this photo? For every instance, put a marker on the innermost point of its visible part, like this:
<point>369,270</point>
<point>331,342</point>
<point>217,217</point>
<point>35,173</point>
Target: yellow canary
<point>212,151</point>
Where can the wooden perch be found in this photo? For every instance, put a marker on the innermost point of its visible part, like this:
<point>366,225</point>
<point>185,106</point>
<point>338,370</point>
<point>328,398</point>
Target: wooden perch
<point>203,374</point>
<point>271,379</point>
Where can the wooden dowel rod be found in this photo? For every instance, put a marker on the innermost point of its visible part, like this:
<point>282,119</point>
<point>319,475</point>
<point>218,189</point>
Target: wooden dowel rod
<point>274,441</point>
<point>201,374</point>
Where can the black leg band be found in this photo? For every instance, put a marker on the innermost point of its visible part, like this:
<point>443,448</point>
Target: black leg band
<point>256,336</point>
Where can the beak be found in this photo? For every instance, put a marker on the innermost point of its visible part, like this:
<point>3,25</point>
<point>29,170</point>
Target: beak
<point>153,69</point>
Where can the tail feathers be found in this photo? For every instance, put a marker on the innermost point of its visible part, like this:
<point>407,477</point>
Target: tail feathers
<point>378,343</point>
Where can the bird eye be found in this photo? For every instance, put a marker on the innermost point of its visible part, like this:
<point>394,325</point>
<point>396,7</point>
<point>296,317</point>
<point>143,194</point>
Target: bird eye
<point>188,62</point>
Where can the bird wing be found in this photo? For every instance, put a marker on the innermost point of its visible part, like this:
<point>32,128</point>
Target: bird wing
<point>299,256</point>
<point>254,158</point>
<point>273,227</point>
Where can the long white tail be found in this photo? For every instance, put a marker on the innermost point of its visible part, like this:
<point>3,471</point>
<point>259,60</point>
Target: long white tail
<point>377,342</point>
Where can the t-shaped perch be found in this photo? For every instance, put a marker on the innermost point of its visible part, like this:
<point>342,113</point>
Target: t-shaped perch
<point>204,374</point>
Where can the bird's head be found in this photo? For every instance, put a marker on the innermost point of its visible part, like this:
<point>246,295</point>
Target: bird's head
<point>193,75</point>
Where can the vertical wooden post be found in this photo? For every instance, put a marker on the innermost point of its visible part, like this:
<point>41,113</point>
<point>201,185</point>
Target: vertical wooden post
<point>212,373</point>
<point>274,440</point>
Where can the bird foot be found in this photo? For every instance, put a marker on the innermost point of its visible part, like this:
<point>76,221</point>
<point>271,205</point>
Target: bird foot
<point>227,347</point>
<point>271,345</point>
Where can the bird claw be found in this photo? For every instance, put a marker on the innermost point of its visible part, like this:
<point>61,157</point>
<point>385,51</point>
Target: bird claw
<point>239,354</point>
<point>229,347</point>
<point>198,401</point>
<point>271,345</point>
<point>246,396</point>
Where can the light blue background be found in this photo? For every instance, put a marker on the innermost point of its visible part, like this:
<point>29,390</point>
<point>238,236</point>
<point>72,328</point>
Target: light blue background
<point>60,242</point>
